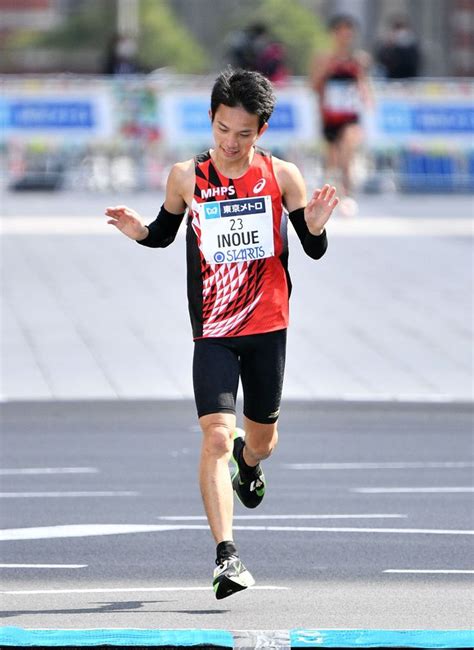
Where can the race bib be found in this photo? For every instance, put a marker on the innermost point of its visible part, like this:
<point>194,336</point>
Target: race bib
<point>341,97</point>
<point>237,230</point>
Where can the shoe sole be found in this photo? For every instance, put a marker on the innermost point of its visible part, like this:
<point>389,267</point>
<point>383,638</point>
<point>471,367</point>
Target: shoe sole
<point>226,587</point>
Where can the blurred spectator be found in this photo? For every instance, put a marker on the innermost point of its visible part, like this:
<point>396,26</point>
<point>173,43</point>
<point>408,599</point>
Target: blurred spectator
<point>270,56</point>
<point>239,46</point>
<point>253,48</point>
<point>121,55</point>
<point>398,52</point>
<point>339,78</point>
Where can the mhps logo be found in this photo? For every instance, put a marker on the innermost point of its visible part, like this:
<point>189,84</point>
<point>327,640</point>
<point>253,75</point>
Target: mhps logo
<point>218,191</point>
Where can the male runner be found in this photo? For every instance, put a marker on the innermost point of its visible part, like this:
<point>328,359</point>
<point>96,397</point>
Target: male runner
<point>339,78</point>
<point>238,289</point>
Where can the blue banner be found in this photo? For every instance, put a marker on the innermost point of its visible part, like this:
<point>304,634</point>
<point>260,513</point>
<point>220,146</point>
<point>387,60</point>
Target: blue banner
<point>43,114</point>
<point>397,118</point>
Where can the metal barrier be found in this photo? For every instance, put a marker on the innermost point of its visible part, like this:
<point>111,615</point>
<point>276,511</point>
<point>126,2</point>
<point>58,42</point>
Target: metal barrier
<point>123,133</point>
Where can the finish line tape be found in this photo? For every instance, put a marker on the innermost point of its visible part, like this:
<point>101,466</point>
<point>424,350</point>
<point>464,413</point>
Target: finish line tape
<point>277,640</point>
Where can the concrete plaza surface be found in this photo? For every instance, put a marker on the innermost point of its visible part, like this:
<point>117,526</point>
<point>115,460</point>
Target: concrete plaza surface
<point>88,314</point>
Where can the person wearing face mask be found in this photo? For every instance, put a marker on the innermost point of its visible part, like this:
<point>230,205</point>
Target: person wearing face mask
<point>398,53</point>
<point>121,56</point>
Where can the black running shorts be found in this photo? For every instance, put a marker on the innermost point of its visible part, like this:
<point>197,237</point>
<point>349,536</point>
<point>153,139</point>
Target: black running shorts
<point>259,361</point>
<point>333,132</point>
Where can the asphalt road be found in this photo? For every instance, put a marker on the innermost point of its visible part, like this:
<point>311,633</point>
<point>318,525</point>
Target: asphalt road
<point>106,492</point>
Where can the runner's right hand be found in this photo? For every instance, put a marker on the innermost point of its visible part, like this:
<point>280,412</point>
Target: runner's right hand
<point>127,221</point>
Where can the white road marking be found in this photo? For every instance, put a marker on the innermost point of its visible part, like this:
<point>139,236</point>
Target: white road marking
<point>94,530</point>
<point>284,517</point>
<point>43,566</point>
<point>47,470</point>
<point>64,495</point>
<point>389,465</point>
<point>430,571</point>
<point>83,530</point>
<point>275,639</point>
<point>105,590</point>
<point>393,531</point>
<point>413,490</point>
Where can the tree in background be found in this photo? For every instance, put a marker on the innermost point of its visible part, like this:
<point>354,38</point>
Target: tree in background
<point>296,27</point>
<point>71,46</point>
<point>81,42</point>
<point>164,41</point>
<point>169,35</point>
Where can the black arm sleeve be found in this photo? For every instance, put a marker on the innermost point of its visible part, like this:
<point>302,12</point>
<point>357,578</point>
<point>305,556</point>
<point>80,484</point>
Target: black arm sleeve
<point>313,245</point>
<point>162,231</point>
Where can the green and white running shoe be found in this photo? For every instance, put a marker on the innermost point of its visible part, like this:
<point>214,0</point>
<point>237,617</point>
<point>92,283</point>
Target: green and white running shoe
<point>249,488</point>
<point>230,577</point>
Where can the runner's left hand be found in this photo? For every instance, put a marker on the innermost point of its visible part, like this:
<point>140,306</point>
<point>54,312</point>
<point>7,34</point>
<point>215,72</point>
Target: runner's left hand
<point>320,208</point>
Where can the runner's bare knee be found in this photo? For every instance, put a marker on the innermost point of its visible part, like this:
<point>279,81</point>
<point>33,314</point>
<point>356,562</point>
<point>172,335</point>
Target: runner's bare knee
<point>218,430</point>
<point>260,439</point>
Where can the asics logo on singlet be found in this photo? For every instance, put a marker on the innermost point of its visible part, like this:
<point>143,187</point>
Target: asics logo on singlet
<point>259,186</point>
<point>218,191</point>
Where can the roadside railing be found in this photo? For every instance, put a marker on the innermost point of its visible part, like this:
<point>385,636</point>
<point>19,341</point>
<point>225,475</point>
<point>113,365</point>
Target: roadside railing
<point>123,133</point>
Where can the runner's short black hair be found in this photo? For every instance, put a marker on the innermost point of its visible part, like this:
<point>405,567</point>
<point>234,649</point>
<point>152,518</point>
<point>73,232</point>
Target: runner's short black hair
<point>245,88</point>
<point>342,20</point>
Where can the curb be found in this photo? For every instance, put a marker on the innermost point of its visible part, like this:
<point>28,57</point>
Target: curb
<point>239,639</point>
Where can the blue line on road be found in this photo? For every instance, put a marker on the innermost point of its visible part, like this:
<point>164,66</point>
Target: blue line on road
<point>382,638</point>
<point>19,637</point>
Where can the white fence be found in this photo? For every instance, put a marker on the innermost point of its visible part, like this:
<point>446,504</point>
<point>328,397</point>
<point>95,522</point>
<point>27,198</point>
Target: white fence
<point>98,133</point>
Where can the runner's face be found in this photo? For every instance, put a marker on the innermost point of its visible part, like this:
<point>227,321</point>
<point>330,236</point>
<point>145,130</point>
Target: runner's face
<point>344,35</point>
<point>235,132</point>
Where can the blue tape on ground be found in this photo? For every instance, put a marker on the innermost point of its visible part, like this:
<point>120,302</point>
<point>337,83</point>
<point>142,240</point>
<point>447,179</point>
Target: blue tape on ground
<point>18,637</point>
<point>382,638</point>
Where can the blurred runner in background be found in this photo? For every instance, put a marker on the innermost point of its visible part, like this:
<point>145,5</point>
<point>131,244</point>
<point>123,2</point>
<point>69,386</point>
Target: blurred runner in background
<point>339,78</point>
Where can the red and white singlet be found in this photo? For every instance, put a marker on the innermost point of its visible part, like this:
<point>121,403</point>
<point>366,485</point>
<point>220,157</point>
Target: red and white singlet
<point>238,282</point>
<point>340,99</point>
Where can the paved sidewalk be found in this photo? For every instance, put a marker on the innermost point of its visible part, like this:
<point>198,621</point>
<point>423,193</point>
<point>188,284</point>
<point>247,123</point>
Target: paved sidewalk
<point>387,313</point>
